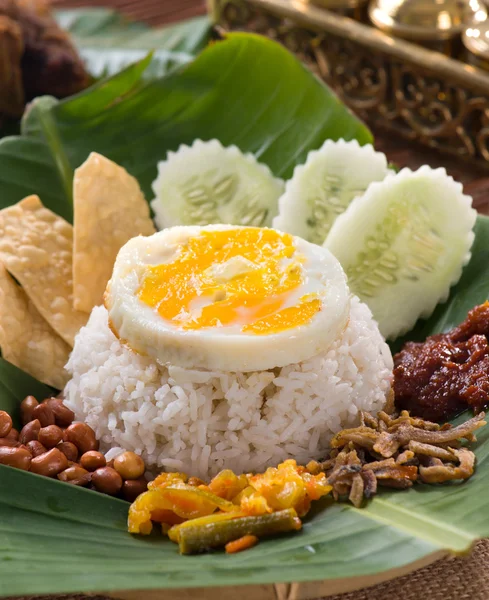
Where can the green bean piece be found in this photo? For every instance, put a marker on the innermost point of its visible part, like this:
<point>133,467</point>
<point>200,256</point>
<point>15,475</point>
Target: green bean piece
<point>200,538</point>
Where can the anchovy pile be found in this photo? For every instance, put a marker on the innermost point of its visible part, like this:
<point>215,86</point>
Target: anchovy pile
<point>396,451</point>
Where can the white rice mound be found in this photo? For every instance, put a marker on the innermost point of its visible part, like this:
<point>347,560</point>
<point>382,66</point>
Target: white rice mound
<point>201,422</point>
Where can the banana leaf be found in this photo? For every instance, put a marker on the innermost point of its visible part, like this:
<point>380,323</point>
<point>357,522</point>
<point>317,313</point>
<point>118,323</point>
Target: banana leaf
<point>246,90</point>
<point>15,384</point>
<point>52,535</point>
<point>55,538</point>
<point>108,42</point>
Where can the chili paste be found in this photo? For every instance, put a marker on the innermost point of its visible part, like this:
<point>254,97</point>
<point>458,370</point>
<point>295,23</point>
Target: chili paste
<point>447,373</point>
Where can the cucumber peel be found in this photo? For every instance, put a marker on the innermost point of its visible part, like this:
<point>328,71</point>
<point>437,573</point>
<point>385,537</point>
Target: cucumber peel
<point>322,188</point>
<point>207,183</point>
<point>403,244</point>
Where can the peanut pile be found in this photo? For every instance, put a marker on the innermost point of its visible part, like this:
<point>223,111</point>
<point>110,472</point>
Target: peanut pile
<point>52,445</point>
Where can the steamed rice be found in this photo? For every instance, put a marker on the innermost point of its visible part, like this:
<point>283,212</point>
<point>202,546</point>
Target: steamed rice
<point>200,422</point>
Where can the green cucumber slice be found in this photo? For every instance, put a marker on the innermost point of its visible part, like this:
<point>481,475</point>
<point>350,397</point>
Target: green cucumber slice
<point>207,183</point>
<point>322,188</point>
<point>403,244</point>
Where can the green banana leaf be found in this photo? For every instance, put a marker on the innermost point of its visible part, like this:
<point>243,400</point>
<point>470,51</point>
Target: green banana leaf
<point>108,42</point>
<point>57,538</point>
<point>15,384</point>
<point>246,90</point>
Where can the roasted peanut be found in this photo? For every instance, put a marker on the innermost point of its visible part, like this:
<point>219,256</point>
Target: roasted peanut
<point>26,407</point>
<point>69,450</point>
<point>82,481</point>
<point>36,448</point>
<point>76,475</point>
<point>82,436</point>
<point>93,460</point>
<point>20,457</point>
<point>107,481</point>
<point>132,488</point>
<point>9,443</point>
<point>129,465</point>
<point>13,434</point>
<point>44,414</point>
<point>63,416</point>
<point>30,432</point>
<point>50,436</point>
<point>5,423</point>
<point>50,463</point>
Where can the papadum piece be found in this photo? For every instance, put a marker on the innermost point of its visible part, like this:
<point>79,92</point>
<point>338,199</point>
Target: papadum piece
<point>36,247</point>
<point>26,339</point>
<point>110,209</point>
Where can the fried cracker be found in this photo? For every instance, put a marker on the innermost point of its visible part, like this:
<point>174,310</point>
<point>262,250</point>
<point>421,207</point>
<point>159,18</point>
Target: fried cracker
<point>36,247</point>
<point>110,209</point>
<point>26,339</point>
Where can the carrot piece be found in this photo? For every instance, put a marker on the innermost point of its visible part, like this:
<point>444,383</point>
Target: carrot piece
<point>242,543</point>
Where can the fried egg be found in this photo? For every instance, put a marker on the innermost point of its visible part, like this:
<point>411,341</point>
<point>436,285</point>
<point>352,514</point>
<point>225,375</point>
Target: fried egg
<point>227,298</point>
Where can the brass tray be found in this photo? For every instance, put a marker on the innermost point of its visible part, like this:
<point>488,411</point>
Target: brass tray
<point>396,85</point>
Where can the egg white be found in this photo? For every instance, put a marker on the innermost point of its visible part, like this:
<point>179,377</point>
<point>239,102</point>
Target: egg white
<point>222,348</point>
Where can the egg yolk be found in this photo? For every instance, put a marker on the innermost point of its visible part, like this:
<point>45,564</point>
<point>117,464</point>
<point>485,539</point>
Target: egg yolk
<point>241,277</point>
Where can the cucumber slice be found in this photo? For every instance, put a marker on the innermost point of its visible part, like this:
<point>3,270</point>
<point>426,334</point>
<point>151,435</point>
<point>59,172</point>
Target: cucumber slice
<point>403,244</point>
<point>322,188</point>
<point>207,183</point>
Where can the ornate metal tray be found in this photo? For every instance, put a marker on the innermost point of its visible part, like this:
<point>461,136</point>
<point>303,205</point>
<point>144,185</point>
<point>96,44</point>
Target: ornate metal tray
<point>390,83</point>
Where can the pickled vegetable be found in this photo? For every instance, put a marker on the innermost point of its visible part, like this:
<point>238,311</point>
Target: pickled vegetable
<point>230,507</point>
<point>247,541</point>
<point>289,486</point>
<point>194,537</point>
<point>169,503</point>
<point>227,485</point>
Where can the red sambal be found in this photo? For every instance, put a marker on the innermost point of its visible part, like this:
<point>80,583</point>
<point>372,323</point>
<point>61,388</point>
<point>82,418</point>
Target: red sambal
<point>447,373</point>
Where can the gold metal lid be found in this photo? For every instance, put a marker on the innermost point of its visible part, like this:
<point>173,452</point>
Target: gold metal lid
<point>426,19</point>
<point>476,39</point>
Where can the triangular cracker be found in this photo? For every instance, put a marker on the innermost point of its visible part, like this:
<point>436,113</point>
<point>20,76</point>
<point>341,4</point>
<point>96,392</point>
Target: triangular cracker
<point>110,209</point>
<point>26,339</point>
<point>36,247</point>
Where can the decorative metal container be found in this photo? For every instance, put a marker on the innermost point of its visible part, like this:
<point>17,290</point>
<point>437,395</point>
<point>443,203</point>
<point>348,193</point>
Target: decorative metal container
<point>356,9</point>
<point>476,42</point>
<point>436,24</point>
<point>389,82</point>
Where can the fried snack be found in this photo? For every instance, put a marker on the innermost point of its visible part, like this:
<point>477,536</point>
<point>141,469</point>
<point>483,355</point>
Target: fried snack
<point>36,248</point>
<point>11,50</point>
<point>397,451</point>
<point>26,339</point>
<point>110,209</point>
